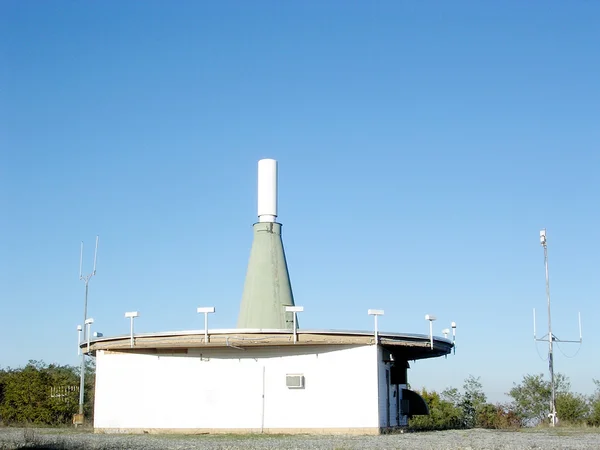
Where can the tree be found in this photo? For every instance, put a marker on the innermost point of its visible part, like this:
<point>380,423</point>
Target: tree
<point>473,401</point>
<point>470,402</point>
<point>531,398</point>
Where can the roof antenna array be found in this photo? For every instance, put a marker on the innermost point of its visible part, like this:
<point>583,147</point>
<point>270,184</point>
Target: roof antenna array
<point>550,337</point>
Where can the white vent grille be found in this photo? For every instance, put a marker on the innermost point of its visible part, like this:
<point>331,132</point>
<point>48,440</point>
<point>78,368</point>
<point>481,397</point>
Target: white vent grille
<point>294,381</point>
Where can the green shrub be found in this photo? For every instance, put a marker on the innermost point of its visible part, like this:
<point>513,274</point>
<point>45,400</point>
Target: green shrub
<point>593,418</point>
<point>443,415</point>
<point>26,394</point>
<point>497,416</point>
<point>572,408</point>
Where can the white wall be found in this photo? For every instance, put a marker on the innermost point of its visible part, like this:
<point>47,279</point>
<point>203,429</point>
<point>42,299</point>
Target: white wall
<point>223,389</point>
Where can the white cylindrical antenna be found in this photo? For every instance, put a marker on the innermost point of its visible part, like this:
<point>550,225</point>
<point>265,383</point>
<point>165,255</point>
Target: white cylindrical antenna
<point>81,261</point>
<point>267,190</point>
<point>95,255</point>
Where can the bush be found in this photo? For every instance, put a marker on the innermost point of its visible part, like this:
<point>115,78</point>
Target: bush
<point>497,416</point>
<point>593,418</point>
<point>443,415</point>
<point>455,410</point>
<point>26,394</point>
<point>572,408</point>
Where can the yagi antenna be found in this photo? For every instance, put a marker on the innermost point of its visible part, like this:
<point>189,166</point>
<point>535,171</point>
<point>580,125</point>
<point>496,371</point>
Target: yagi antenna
<point>550,337</point>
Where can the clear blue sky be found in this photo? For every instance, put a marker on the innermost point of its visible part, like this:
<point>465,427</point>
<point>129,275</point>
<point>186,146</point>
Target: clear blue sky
<point>421,148</point>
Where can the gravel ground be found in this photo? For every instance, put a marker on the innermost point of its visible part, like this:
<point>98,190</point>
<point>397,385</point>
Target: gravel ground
<point>45,438</point>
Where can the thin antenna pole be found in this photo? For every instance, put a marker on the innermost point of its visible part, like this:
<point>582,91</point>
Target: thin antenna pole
<point>86,280</point>
<point>550,338</point>
<point>580,335</point>
<point>81,260</point>
<point>534,332</point>
<point>95,256</point>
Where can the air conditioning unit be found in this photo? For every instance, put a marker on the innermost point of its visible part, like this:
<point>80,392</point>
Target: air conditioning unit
<point>294,381</point>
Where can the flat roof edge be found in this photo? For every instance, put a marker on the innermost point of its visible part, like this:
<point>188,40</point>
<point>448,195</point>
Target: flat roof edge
<point>237,331</point>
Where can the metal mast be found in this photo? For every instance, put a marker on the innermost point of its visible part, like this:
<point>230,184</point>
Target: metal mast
<point>551,338</point>
<point>553,417</point>
<point>86,280</point>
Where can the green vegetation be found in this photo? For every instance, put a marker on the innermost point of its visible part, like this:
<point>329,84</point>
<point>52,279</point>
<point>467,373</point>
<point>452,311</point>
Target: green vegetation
<point>454,409</point>
<point>594,403</point>
<point>43,394</point>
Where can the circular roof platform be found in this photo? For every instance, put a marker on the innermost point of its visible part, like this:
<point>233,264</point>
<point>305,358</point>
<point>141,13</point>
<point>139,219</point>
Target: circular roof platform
<point>405,346</point>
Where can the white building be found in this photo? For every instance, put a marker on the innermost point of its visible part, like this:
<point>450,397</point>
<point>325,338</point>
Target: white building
<point>266,375</point>
<point>242,381</point>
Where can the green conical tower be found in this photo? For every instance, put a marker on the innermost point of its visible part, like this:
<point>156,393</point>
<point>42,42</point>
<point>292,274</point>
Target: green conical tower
<point>267,290</point>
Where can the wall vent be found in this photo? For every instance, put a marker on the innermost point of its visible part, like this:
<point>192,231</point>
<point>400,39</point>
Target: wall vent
<point>294,381</point>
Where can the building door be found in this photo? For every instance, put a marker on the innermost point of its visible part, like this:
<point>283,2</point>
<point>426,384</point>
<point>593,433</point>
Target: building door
<point>388,398</point>
<point>262,408</point>
<point>393,402</point>
<point>397,400</point>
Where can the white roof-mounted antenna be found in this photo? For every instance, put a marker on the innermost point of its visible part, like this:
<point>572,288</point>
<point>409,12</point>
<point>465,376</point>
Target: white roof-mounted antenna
<point>267,190</point>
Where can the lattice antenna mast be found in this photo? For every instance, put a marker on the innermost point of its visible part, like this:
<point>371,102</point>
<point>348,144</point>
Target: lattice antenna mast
<point>550,337</point>
<point>86,280</point>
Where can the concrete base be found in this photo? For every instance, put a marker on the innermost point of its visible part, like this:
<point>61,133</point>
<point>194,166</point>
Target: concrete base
<point>195,431</point>
<point>78,419</point>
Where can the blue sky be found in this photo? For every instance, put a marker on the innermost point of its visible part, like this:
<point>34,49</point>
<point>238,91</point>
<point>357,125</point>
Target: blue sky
<point>421,148</point>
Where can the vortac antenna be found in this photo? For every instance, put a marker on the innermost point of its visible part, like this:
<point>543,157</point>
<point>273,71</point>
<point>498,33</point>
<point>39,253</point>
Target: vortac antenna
<point>550,337</point>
